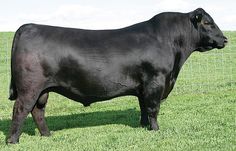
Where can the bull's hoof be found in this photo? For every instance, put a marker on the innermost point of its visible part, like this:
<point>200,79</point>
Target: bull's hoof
<point>12,141</point>
<point>46,134</point>
<point>154,128</point>
<point>144,123</point>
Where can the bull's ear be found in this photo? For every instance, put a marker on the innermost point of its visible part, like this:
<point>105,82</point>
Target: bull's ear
<point>196,16</point>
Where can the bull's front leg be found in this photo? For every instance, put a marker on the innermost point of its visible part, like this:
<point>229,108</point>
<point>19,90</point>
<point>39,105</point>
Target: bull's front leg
<point>152,94</point>
<point>143,109</point>
<point>153,111</point>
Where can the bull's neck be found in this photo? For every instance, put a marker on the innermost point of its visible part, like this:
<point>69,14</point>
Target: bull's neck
<point>185,42</point>
<point>177,32</point>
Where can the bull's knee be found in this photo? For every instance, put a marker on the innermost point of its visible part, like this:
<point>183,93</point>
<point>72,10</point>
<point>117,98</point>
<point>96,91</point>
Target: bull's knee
<point>42,101</point>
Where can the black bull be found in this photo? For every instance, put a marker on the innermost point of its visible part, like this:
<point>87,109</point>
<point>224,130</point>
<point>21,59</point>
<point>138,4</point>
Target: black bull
<point>142,60</point>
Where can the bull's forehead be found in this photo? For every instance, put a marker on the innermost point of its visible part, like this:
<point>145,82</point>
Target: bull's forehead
<point>207,17</point>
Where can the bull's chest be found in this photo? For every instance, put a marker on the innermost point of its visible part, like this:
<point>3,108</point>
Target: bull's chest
<point>172,76</point>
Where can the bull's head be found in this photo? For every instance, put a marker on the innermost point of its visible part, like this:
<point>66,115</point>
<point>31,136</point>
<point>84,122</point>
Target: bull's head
<point>209,33</point>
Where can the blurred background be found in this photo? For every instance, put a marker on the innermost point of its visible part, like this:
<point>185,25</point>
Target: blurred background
<point>106,13</point>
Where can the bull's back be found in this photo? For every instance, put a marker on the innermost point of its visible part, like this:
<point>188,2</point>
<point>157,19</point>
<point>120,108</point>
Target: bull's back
<point>79,61</point>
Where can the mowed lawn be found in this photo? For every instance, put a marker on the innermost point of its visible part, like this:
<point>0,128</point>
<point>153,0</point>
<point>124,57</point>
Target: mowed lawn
<point>198,115</point>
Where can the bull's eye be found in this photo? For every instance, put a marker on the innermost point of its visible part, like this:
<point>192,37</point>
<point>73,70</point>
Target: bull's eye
<point>207,23</point>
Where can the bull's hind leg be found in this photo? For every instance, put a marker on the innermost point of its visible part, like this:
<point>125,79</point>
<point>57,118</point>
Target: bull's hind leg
<point>23,105</point>
<point>38,114</point>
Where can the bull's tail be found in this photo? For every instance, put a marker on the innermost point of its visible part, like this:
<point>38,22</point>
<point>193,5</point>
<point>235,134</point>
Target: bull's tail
<point>12,90</point>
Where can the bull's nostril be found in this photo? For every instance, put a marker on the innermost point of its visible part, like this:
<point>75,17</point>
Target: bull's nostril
<point>225,40</point>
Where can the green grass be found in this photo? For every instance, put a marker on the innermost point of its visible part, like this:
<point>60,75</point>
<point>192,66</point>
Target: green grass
<point>198,115</point>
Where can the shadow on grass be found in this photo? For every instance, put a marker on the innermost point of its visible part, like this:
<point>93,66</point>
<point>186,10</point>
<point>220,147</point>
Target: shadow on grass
<point>128,117</point>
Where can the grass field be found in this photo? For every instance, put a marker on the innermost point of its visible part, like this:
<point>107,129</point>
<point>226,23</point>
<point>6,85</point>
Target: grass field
<point>198,115</point>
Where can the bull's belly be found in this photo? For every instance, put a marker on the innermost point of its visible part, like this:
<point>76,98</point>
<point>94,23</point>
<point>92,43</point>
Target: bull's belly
<point>95,89</point>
